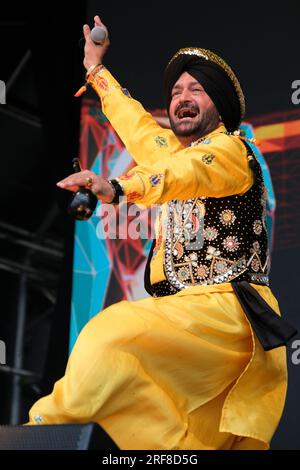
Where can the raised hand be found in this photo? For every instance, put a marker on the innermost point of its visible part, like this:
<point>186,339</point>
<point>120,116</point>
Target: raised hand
<point>94,53</point>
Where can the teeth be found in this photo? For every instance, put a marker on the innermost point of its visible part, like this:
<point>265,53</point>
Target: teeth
<point>186,113</point>
<point>182,116</point>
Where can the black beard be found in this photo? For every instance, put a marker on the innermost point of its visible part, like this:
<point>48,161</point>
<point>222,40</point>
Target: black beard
<point>208,123</point>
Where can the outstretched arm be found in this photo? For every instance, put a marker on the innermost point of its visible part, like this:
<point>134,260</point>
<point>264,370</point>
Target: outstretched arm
<point>131,121</point>
<point>190,173</point>
<point>217,169</point>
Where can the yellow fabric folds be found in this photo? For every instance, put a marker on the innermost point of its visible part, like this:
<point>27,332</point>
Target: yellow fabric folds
<point>179,372</point>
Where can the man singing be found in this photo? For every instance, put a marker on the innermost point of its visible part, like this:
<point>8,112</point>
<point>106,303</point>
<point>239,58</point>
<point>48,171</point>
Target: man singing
<point>201,363</point>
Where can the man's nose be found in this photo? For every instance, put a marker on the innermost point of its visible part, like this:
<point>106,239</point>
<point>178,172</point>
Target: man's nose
<point>185,95</point>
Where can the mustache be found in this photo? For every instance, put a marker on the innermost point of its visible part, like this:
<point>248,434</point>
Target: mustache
<point>187,105</point>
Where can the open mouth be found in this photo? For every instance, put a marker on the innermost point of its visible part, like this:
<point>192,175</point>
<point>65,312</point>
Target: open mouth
<point>186,113</point>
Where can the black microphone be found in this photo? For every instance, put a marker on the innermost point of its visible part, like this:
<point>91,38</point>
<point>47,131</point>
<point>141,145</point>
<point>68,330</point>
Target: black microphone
<point>84,202</point>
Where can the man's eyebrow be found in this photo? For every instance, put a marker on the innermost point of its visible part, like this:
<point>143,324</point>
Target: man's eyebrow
<point>177,86</point>
<point>193,84</point>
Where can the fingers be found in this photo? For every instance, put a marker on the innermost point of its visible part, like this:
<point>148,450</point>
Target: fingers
<point>98,21</point>
<point>73,188</point>
<point>75,181</point>
<point>87,33</point>
<point>68,185</point>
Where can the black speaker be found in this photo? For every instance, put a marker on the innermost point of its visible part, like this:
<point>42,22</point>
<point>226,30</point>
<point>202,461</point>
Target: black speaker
<point>55,437</point>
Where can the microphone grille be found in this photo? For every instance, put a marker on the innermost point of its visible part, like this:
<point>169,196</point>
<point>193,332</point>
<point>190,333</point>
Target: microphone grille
<point>99,34</point>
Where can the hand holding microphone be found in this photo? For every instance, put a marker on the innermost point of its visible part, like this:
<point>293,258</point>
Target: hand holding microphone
<point>87,188</point>
<point>96,43</point>
<point>84,202</point>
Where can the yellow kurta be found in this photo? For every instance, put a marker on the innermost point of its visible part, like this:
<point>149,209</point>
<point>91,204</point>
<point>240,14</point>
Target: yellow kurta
<point>183,371</point>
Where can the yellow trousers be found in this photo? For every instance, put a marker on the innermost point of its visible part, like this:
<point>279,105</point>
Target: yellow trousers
<point>177,372</point>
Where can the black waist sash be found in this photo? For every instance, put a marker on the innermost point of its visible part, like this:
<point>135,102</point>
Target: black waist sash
<point>271,330</point>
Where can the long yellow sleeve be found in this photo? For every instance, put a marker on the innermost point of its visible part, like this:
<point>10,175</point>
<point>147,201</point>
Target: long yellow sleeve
<point>217,167</point>
<point>132,122</point>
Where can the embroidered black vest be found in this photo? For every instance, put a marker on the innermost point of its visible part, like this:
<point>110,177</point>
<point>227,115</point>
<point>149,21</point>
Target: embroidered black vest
<point>214,240</point>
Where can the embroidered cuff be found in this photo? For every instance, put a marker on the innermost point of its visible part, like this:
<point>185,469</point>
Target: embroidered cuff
<point>104,83</point>
<point>133,186</point>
